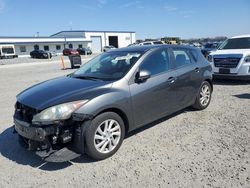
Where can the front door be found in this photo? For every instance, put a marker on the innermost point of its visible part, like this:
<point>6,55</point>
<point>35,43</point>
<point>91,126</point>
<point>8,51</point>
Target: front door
<point>155,97</point>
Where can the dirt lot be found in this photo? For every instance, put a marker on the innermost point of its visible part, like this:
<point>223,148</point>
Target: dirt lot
<point>54,59</point>
<point>209,148</point>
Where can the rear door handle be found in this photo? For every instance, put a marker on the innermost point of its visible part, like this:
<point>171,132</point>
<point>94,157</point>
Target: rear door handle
<point>197,69</point>
<point>171,80</point>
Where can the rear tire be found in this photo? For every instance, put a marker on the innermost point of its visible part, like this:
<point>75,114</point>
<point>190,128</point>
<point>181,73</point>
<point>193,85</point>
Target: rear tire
<point>203,98</point>
<point>104,136</point>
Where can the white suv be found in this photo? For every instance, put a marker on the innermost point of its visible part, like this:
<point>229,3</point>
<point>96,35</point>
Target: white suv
<point>232,58</point>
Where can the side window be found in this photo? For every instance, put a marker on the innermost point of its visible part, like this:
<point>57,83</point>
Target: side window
<point>181,58</point>
<point>194,54</point>
<point>156,63</point>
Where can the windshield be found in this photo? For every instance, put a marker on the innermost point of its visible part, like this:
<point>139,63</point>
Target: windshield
<point>237,43</point>
<point>108,66</point>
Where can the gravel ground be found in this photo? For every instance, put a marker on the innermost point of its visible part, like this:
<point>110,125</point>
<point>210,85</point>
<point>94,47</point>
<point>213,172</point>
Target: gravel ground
<point>209,148</point>
<point>54,59</point>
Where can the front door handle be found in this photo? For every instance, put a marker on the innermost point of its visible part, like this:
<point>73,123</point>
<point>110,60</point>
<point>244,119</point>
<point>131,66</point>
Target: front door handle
<point>171,80</point>
<point>197,69</point>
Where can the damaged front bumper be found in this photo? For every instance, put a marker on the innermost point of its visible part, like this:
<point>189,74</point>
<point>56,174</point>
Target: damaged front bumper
<point>58,142</point>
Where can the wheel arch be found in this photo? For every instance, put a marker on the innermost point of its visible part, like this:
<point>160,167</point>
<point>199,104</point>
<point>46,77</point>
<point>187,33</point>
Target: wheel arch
<point>121,113</point>
<point>210,82</point>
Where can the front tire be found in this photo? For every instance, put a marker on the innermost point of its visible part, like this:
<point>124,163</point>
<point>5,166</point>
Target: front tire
<point>105,135</point>
<point>204,96</point>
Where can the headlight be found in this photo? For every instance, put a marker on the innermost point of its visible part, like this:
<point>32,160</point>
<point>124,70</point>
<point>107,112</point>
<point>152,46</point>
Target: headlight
<point>210,58</point>
<point>247,59</point>
<point>58,112</point>
<point>45,55</point>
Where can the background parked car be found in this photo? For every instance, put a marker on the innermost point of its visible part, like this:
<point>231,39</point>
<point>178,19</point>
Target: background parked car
<point>208,48</point>
<point>150,43</point>
<point>232,59</point>
<point>40,54</point>
<point>107,48</point>
<point>196,44</point>
<point>68,51</point>
<point>84,51</point>
<point>7,51</point>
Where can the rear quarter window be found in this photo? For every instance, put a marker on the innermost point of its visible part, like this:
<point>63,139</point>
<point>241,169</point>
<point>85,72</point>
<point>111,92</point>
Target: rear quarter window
<point>182,57</point>
<point>194,54</point>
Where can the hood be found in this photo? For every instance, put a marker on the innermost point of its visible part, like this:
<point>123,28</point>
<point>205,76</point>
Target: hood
<point>61,90</point>
<point>244,52</point>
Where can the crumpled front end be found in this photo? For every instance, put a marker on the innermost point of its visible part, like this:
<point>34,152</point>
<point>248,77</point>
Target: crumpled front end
<point>47,139</point>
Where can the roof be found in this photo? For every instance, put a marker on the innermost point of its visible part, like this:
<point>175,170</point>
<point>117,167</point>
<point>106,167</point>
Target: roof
<point>241,36</point>
<point>25,40</point>
<point>91,31</point>
<point>30,37</point>
<point>149,47</point>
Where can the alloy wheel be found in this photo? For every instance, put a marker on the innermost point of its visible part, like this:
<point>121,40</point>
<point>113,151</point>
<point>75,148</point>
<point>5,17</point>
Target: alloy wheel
<point>107,136</point>
<point>205,95</point>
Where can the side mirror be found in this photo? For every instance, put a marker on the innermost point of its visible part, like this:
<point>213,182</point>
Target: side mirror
<point>142,76</point>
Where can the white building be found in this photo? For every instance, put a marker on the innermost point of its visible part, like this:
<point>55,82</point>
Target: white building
<point>55,43</point>
<point>100,39</point>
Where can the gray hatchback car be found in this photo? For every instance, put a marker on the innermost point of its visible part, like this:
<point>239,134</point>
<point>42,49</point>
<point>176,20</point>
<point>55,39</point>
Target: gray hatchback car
<point>92,109</point>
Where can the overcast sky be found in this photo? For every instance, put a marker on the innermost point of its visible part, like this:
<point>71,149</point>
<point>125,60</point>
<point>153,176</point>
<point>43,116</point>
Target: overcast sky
<point>148,18</point>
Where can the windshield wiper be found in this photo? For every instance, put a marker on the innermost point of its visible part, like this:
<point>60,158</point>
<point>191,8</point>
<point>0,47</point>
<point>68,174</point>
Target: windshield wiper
<point>86,77</point>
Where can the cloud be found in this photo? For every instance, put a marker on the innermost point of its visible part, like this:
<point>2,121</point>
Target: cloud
<point>170,8</point>
<point>97,4</point>
<point>101,3</point>
<point>186,13</point>
<point>140,7</point>
<point>129,4</point>
<point>88,7</point>
<point>177,11</point>
<point>2,6</point>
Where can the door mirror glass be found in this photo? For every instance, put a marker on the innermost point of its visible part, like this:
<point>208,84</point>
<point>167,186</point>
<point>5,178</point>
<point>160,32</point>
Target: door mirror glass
<point>142,76</point>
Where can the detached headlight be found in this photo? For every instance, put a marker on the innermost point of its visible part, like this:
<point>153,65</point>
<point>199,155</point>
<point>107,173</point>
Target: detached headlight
<point>210,58</point>
<point>247,59</point>
<point>58,112</point>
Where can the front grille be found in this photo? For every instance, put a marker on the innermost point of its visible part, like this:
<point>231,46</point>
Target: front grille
<point>24,113</point>
<point>226,62</point>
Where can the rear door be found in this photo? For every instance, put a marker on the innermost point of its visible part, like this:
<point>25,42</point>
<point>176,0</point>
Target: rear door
<point>189,76</point>
<point>155,97</point>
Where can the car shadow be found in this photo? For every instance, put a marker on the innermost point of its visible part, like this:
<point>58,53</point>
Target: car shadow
<point>12,150</point>
<point>152,124</point>
<point>230,82</point>
<point>243,96</point>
